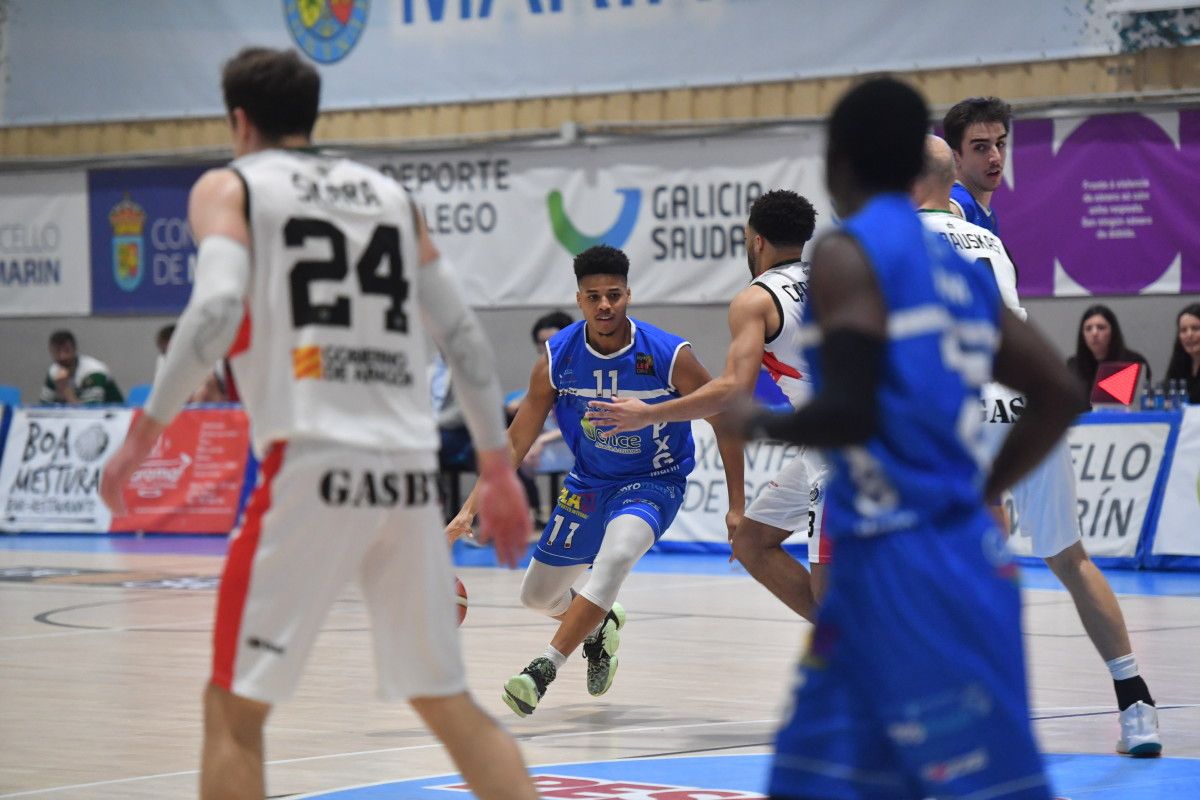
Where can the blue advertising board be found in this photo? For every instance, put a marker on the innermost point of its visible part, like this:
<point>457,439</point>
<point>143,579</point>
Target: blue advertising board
<point>142,253</point>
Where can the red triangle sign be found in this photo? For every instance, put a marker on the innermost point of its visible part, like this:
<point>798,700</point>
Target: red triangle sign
<point>1121,385</point>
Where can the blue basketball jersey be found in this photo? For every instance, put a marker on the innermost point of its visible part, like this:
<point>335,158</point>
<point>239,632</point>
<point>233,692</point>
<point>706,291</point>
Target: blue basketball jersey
<point>972,211</point>
<point>642,370</point>
<point>924,466</point>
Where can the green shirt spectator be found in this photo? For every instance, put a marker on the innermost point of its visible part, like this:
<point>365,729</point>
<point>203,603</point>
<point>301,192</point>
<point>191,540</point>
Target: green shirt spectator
<point>75,379</point>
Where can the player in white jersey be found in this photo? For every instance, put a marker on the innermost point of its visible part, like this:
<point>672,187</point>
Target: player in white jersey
<point>323,271</point>
<point>1043,503</point>
<point>764,322</point>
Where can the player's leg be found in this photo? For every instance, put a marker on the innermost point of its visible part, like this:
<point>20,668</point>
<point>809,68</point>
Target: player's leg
<point>231,761</point>
<point>484,752</point>
<point>759,548</point>
<point>283,572</point>
<point>596,616</point>
<point>945,657</point>
<point>408,585</point>
<point>783,506</point>
<point>1045,506</point>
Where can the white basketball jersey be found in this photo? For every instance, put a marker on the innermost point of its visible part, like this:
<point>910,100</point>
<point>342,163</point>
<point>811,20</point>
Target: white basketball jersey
<point>331,347</point>
<point>979,244</point>
<point>783,358</point>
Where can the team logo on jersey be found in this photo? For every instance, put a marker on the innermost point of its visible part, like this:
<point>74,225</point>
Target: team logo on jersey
<point>306,362</point>
<point>128,221</point>
<point>326,30</point>
<point>576,242</point>
<point>624,443</point>
<point>644,364</point>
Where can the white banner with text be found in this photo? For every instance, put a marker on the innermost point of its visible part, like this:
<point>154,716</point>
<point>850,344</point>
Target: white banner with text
<point>50,476</point>
<point>1179,521</point>
<point>45,267</point>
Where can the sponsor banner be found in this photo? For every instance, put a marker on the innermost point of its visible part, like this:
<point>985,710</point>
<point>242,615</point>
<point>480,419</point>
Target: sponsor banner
<point>512,219</point>
<point>521,48</point>
<point>1178,530</point>
<point>701,518</point>
<point>43,245</point>
<point>50,475</point>
<point>1116,467</point>
<point>192,480</point>
<point>1103,205</point>
<point>142,254</point>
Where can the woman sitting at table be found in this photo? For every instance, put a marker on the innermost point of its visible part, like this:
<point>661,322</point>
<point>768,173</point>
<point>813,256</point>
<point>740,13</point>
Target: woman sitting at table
<point>1185,355</point>
<point>1100,339</point>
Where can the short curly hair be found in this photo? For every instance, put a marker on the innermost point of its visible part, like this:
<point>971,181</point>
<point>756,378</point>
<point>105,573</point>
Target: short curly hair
<point>783,218</point>
<point>967,112</point>
<point>601,260</point>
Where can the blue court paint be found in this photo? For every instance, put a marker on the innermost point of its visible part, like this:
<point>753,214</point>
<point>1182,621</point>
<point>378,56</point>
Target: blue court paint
<point>1074,777</point>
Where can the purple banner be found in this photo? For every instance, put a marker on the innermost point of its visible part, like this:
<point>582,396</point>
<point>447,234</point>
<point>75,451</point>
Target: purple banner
<point>1107,205</point>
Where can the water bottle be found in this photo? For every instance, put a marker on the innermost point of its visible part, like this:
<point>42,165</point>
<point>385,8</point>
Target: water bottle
<point>1181,394</point>
<point>1160,399</point>
<point>1147,398</point>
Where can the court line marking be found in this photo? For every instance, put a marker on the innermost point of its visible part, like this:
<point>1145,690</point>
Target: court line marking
<point>527,738</point>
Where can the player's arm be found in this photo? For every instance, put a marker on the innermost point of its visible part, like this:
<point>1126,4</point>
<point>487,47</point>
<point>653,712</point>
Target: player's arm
<point>853,321</point>
<point>457,332</point>
<point>749,314</point>
<point>525,428</point>
<point>690,377</point>
<point>207,326</point>
<point>1028,363</point>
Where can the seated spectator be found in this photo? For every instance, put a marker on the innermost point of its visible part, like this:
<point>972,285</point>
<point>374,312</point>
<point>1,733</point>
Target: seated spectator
<point>1185,355</point>
<point>75,379</point>
<point>213,388</point>
<point>1100,339</point>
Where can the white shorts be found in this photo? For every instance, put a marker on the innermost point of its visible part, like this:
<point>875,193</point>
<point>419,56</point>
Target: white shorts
<point>795,501</point>
<point>321,516</point>
<point>1043,504</point>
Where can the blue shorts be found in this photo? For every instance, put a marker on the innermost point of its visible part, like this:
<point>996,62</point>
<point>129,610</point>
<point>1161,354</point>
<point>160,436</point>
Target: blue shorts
<point>583,511</point>
<point>913,685</point>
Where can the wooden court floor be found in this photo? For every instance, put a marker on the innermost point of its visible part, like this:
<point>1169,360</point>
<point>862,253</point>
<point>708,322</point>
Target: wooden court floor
<point>101,673</point>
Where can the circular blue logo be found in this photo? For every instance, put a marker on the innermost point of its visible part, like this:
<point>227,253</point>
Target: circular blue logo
<point>326,30</point>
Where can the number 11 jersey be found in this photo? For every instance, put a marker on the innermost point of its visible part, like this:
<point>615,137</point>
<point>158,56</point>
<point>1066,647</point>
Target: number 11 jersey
<point>331,346</point>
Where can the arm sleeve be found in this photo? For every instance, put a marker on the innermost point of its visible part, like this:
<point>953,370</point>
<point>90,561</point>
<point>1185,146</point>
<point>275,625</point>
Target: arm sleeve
<point>207,326</point>
<point>457,333</point>
<point>843,413</point>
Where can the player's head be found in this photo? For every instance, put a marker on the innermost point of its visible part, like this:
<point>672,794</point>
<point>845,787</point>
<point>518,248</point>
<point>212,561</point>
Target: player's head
<point>875,142</point>
<point>932,188</point>
<point>977,131</point>
<point>271,97</point>
<point>547,325</point>
<point>780,223</point>
<point>1099,335</point>
<point>602,275</point>
<point>63,349</point>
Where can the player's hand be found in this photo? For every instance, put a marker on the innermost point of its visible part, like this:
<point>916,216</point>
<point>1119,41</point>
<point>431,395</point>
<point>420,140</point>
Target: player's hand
<point>503,512</point>
<point>733,518</point>
<point>620,414</point>
<point>142,435</point>
<point>459,526</point>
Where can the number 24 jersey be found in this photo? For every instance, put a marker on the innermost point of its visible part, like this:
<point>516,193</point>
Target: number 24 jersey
<point>331,346</point>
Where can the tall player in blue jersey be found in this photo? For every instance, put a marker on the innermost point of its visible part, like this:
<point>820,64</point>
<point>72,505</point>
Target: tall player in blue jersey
<point>624,489</point>
<point>913,685</point>
<point>977,131</point>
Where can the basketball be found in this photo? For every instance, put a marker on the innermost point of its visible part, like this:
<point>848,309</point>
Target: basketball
<point>461,591</point>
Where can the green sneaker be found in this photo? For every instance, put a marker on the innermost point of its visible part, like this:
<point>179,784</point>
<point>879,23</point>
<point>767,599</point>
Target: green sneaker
<point>600,651</point>
<point>522,692</point>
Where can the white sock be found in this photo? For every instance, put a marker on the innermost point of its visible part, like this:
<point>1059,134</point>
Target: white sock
<point>556,658</point>
<point>1122,668</point>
